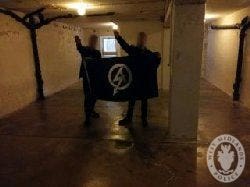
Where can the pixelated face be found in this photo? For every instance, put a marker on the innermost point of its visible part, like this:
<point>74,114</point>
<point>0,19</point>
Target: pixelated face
<point>93,41</point>
<point>142,39</point>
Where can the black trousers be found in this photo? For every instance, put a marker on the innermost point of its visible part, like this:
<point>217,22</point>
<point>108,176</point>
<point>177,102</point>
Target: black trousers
<point>89,101</point>
<point>144,109</point>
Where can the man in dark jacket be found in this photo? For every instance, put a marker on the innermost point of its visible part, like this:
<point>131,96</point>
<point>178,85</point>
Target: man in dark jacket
<point>139,51</point>
<point>89,51</point>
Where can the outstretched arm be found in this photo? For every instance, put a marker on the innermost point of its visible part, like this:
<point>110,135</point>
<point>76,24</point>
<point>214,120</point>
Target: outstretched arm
<point>78,42</point>
<point>125,46</point>
<point>83,50</point>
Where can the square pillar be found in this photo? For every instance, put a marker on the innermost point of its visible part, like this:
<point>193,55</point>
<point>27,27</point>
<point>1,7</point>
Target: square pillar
<point>187,32</point>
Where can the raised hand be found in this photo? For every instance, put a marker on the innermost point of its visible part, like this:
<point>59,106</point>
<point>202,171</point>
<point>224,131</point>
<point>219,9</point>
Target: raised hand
<point>158,54</point>
<point>116,33</point>
<point>77,40</point>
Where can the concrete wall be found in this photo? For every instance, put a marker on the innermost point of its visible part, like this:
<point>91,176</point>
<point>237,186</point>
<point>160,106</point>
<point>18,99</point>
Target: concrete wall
<point>221,57</point>
<point>165,79</point>
<point>187,32</point>
<point>59,62</point>
<point>17,83</point>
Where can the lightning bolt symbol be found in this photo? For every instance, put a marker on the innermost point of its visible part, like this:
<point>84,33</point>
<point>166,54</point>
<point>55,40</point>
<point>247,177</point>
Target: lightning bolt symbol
<point>119,79</point>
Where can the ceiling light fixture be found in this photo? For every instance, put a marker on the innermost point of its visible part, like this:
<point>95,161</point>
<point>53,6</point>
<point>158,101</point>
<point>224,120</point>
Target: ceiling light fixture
<point>79,7</point>
<point>211,16</point>
<point>113,25</point>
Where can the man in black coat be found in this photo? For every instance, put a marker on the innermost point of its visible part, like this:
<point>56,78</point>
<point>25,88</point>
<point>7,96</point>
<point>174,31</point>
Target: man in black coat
<point>140,52</point>
<point>89,51</point>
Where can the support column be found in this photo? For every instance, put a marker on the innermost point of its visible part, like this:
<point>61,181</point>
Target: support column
<point>187,32</point>
<point>38,74</point>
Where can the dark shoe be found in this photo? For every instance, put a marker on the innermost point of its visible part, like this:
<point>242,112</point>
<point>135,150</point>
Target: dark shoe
<point>126,121</point>
<point>95,115</point>
<point>144,123</point>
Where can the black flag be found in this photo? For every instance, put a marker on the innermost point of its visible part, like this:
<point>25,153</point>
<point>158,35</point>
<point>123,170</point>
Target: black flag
<point>122,78</point>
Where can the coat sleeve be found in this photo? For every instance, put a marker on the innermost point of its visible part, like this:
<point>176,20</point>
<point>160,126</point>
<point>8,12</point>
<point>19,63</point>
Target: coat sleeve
<point>154,58</point>
<point>82,49</point>
<point>99,54</point>
<point>125,46</point>
<point>157,58</point>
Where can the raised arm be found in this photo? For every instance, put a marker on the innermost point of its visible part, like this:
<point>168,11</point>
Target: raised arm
<point>79,45</point>
<point>78,42</point>
<point>125,46</point>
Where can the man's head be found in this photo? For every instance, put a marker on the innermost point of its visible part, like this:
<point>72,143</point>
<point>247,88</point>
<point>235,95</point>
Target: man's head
<point>93,40</point>
<point>142,39</point>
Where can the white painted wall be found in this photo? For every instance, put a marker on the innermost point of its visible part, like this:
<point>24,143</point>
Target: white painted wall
<point>59,58</point>
<point>59,62</point>
<point>187,32</point>
<point>17,83</point>
<point>222,53</point>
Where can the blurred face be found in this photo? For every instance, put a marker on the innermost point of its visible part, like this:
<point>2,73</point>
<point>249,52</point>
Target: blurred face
<point>142,39</point>
<point>93,40</point>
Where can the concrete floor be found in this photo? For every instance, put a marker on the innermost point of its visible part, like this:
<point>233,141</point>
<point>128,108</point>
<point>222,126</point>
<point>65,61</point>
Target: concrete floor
<point>46,145</point>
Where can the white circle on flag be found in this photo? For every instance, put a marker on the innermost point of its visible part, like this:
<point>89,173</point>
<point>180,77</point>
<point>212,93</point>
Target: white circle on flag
<point>120,77</point>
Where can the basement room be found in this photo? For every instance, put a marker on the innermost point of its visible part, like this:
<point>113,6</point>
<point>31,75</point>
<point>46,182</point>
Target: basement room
<point>130,93</point>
